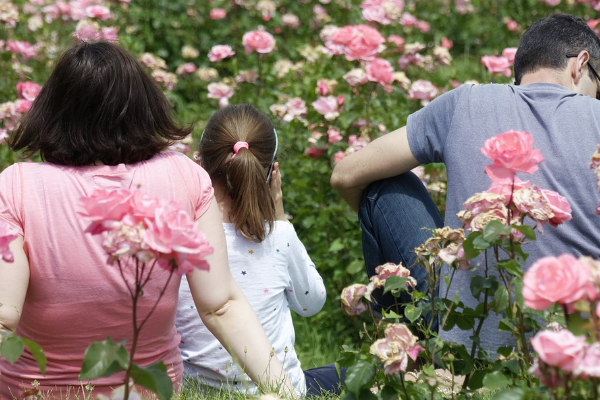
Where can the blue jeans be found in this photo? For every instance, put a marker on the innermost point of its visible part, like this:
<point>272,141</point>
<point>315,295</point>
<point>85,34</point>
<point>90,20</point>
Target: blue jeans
<point>324,379</point>
<point>392,215</point>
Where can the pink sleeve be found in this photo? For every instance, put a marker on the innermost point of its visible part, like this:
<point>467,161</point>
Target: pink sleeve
<point>11,197</point>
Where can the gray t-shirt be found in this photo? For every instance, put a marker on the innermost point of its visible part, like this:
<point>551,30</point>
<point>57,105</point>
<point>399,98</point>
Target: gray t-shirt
<point>565,126</point>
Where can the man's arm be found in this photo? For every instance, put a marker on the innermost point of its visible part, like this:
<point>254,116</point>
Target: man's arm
<point>387,156</point>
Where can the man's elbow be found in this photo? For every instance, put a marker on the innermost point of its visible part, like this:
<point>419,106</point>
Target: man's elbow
<point>339,180</point>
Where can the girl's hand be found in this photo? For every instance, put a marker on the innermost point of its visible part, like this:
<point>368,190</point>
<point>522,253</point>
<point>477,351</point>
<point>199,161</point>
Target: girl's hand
<point>277,193</point>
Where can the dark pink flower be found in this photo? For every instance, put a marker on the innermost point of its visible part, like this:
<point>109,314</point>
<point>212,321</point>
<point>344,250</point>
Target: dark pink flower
<point>28,90</point>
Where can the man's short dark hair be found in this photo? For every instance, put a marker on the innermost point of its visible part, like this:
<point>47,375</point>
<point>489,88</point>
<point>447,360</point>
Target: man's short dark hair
<point>97,105</point>
<point>547,42</point>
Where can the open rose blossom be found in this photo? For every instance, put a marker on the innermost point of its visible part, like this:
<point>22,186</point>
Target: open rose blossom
<point>511,152</point>
<point>563,280</point>
<point>259,41</point>
<point>220,52</point>
<point>380,71</point>
<point>559,349</point>
<point>28,90</point>
<point>393,350</point>
<point>221,92</point>
<point>590,364</point>
<point>327,106</point>
<point>422,90</point>
<point>357,42</point>
<point>7,235</point>
<point>217,13</point>
<point>352,295</point>
<point>146,228</point>
<point>25,49</point>
<point>99,12</point>
<point>497,65</point>
<point>560,207</point>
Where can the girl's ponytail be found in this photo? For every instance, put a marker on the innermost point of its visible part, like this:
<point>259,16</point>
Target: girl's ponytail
<point>237,150</point>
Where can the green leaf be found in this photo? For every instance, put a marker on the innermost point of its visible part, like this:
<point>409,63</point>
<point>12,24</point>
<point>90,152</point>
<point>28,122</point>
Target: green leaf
<point>37,352</point>
<point>504,325</point>
<point>481,244</point>
<point>359,375</point>
<point>493,230</point>
<point>412,313</point>
<point>476,381</point>
<point>395,283</point>
<point>99,360</point>
<point>513,366</point>
<point>512,267</point>
<point>470,250</point>
<point>154,377</point>
<point>390,314</point>
<point>510,394</point>
<point>388,393</point>
<point>479,284</point>
<point>500,299</point>
<point>336,245</point>
<point>525,230</point>
<point>505,351</point>
<point>355,267</point>
<point>11,348</point>
<point>495,380</point>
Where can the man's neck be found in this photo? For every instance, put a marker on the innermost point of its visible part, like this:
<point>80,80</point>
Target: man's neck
<point>547,75</point>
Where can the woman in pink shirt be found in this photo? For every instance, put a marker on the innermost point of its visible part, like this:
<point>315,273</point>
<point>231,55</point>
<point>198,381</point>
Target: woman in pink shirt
<point>100,122</point>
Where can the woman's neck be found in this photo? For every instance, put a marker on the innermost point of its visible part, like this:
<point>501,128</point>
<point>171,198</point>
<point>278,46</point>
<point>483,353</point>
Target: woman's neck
<point>223,201</point>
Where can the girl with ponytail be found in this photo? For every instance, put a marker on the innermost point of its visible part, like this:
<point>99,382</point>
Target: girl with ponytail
<point>270,264</point>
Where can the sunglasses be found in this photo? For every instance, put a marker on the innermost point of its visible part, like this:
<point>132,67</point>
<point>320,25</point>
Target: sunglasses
<point>593,72</point>
<point>274,155</point>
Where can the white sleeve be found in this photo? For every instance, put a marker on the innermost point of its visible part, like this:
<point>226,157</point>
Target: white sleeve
<point>306,291</point>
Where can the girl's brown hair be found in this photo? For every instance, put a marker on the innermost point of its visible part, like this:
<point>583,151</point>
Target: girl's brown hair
<point>245,175</point>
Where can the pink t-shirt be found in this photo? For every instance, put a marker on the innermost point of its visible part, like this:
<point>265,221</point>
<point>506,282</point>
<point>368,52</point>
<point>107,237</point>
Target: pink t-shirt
<point>74,297</point>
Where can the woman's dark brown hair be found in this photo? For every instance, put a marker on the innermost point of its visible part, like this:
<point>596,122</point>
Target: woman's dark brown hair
<point>97,105</point>
<point>245,175</point>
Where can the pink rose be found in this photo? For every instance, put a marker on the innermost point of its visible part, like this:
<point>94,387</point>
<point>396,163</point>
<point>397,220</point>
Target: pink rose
<point>333,135</point>
<point>173,234</point>
<point>422,90</point>
<point>220,52</point>
<point>407,19</point>
<point>217,13</point>
<point>327,106</point>
<point>397,40</point>
<point>560,206</point>
<point>507,188</point>
<point>99,12</point>
<point>28,90</point>
<point>551,3</point>
<point>500,65</point>
<point>23,105</point>
<point>511,152</point>
<point>423,26</point>
<point>559,349</point>
<point>380,71</point>
<point>360,42</point>
<point>393,350</point>
<point>376,14</point>
<point>109,33</point>
<point>352,295</point>
<point>390,269</point>
<point>23,48</point>
<point>290,20</point>
<point>259,41</point>
<point>338,156</point>
<point>87,31</point>
<point>313,152</point>
<point>356,77</point>
<point>186,69</point>
<point>7,235</point>
<point>447,43</point>
<point>106,209</point>
<point>221,92</point>
<point>589,367</point>
<point>512,25</point>
<point>509,54</point>
<point>295,107</point>
<point>563,280</point>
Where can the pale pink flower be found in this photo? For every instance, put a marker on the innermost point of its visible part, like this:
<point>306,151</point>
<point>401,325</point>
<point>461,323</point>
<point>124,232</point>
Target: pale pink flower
<point>327,106</point>
<point>290,20</point>
<point>110,33</point>
<point>356,77</point>
<point>153,62</point>
<point>506,189</point>
<point>494,64</point>
<point>589,367</point>
<point>380,71</point>
<point>28,90</point>
<point>454,253</point>
<point>333,135</point>
<point>98,11</point>
<point>259,41</point>
<point>217,13</point>
<point>338,156</point>
<point>325,86</point>
<point>173,234</point>
<point>105,209</point>
<point>559,349</point>
<point>393,350</point>
<point>295,107</point>
<point>422,90</point>
<point>9,14</point>
<point>529,200</point>
<point>167,79</point>
<point>186,69</point>
<point>509,54</point>
<point>423,26</point>
<point>25,49</point>
<point>247,76</point>
<point>482,206</point>
<point>351,298</point>
<point>397,40</point>
<point>220,52</point>
<point>376,14</point>
<point>563,280</point>
<point>560,207</point>
<point>551,3</point>
<point>511,152</point>
<point>7,235</point>
<point>221,92</point>
<point>87,31</point>
<point>463,6</point>
<point>512,25</point>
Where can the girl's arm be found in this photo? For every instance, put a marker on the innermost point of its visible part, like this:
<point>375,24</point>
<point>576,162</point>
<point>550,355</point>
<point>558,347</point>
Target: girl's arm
<point>306,293</point>
<point>228,315</point>
<point>14,280</point>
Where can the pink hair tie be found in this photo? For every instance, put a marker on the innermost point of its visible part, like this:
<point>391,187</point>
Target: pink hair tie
<point>237,147</point>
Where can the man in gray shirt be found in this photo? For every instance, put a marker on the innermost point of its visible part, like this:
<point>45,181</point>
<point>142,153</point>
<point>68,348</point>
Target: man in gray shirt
<point>554,99</point>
